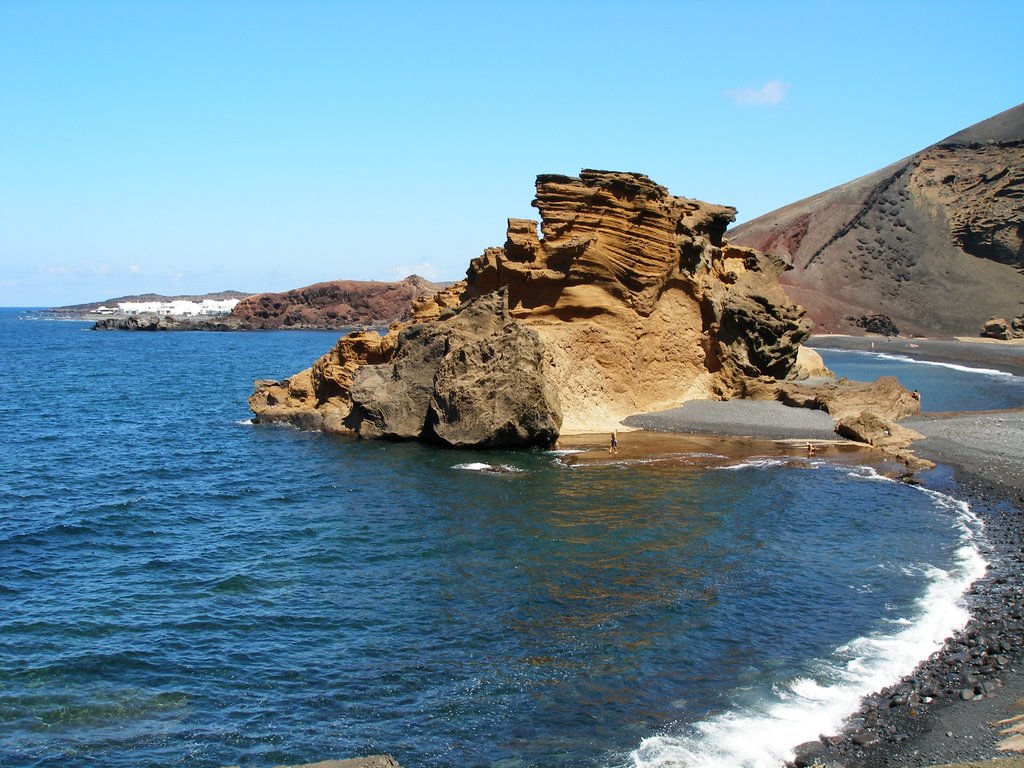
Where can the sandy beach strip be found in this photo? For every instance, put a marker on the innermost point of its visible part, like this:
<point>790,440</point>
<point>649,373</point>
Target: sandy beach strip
<point>764,419</point>
<point>985,448</point>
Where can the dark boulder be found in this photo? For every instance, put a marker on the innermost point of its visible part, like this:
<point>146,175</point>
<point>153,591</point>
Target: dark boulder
<point>390,400</point>
<point>494,393</point>
<point>999,328</point>
<point>475,379</point>
<point>759,334</point>
<point>880,324</point>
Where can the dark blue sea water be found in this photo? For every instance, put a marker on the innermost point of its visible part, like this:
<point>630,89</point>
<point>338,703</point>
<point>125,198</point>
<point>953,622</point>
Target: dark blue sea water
<point>181,588</point>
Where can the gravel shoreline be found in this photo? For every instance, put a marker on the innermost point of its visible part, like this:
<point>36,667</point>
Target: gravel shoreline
<point>946,711</point>
<point>760,419</point>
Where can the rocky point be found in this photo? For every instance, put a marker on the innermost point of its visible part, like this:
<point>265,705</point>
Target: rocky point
<point>622,299</point>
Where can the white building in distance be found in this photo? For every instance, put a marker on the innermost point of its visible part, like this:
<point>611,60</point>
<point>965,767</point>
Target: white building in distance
<point>176,308</point>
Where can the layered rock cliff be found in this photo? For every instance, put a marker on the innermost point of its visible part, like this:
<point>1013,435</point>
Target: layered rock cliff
<point>627,299</point>
<point>934,242</point>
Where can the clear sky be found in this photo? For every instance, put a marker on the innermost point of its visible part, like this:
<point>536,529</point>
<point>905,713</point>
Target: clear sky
<point>186,147</point>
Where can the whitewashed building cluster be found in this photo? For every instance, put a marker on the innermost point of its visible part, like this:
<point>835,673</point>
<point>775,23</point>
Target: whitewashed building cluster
<point>176,308</point>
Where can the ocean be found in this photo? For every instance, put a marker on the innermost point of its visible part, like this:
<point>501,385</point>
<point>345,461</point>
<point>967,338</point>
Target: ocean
<point>944,386</point>
<point>179,587</point>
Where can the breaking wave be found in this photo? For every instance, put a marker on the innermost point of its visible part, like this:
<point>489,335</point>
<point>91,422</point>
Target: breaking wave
<point>763,735</point>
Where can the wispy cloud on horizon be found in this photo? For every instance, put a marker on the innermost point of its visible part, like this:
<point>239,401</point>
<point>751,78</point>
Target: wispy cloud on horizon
<point>768,95</point>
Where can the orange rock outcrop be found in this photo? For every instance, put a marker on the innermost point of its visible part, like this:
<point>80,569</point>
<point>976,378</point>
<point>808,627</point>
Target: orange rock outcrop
<point>637,298</point>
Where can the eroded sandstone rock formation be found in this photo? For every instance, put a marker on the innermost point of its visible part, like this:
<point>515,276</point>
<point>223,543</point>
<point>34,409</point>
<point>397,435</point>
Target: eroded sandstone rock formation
<point>627,299</point>
<point>866,412</point>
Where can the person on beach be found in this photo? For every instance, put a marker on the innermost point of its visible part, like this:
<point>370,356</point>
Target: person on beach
<point>614,447</point>
<point>811,450</point>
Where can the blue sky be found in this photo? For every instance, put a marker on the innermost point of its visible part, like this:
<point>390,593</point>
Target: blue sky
<point>186,147</point>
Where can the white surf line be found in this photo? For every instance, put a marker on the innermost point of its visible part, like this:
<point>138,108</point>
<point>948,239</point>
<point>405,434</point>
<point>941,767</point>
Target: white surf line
<point>918,361</point>
<point>803,709</point>
<point>496,469</point>
<point>953,366</point>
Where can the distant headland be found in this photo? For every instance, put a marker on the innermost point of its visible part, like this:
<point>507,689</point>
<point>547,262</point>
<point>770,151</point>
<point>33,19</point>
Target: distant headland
<point>332,305</point>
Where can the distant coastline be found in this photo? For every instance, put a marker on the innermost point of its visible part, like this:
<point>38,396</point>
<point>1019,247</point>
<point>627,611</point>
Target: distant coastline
<point>220,323</point>
<point>107,307</point>
<point>334,305</point>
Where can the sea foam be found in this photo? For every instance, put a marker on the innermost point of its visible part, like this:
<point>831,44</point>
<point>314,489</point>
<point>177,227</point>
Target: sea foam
<point>480,466</point>
<point>758,462</point>
<point>918,361</point>
<point>802,709</point>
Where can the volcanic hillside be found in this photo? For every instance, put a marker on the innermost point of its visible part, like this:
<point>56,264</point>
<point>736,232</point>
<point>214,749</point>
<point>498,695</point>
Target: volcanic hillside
<point>935,241</point>
<point>334,304</point>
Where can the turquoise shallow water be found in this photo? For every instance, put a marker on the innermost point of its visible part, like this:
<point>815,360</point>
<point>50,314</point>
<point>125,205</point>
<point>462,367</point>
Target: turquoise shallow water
<point>179,587</point>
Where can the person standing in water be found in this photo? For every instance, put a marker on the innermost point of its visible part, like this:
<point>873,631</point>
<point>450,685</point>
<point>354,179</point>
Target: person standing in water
<point>614,447</point>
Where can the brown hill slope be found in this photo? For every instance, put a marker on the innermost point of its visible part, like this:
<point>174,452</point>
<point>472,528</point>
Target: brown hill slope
<point>934,241</point>
<point>334,304</point>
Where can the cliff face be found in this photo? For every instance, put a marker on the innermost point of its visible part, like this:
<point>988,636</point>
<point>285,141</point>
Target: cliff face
<point>334,304</point>
<point>935,242</point>
<point>635,299</point>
